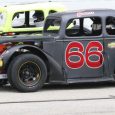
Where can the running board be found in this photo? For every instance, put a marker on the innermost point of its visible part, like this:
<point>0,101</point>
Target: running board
<point>80,80</point>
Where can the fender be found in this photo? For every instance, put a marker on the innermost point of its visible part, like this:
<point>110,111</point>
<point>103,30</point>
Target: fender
<point>55,71</point>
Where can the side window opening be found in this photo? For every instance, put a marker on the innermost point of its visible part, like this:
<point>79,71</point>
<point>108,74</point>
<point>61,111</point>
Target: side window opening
<point>96,26</point>
<point>38,17</point>
<point>84,27</point>
<point>110,25</point>
<point>18,19</point>
<point>73,27</point>
<point>28,19</point>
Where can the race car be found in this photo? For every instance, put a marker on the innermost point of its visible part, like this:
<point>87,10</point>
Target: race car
<point>26,18</point>
<point>76,46</point>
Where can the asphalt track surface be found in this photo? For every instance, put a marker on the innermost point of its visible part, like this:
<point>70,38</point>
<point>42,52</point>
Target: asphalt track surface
<point>74,99</point>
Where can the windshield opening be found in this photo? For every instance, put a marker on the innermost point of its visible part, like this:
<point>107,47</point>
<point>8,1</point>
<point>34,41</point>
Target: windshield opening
<point>52,26</point>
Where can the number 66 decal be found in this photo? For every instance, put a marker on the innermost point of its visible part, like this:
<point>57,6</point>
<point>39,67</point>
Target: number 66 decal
<point>78,50</point>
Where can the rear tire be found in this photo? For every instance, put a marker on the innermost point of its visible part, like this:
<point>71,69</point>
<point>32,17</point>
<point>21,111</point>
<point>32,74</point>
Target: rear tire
<point>27,73</point>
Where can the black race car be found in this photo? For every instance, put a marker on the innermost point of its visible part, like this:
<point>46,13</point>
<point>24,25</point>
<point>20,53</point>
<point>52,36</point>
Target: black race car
<point>76,46</point>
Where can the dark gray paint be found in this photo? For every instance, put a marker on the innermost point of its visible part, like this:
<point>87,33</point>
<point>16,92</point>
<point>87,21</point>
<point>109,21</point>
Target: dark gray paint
<point>53,48</point>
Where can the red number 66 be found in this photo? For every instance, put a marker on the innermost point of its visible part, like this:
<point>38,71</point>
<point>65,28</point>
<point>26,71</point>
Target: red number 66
<point>78,50</point>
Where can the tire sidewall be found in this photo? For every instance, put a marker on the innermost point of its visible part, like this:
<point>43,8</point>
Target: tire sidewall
<point>13,72</point>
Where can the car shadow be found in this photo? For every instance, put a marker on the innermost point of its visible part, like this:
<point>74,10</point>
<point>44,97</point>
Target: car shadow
<point>47,87</point>
<point>7,88</point>
<point>99,85</point>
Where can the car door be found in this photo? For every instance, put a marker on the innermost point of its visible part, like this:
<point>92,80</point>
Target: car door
<point>83,48</point>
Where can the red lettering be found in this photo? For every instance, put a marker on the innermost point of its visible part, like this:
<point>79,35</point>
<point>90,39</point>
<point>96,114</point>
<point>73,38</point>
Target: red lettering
<point>76,49</point>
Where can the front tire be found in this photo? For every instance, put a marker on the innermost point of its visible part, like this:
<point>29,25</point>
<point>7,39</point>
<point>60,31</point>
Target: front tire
<point>27,73</point>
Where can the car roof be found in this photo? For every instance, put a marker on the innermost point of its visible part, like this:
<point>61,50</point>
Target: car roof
<point>33,6</point>
<point>86,13</point>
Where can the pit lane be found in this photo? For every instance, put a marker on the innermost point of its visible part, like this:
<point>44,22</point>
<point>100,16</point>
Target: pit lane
<point>83,99</point>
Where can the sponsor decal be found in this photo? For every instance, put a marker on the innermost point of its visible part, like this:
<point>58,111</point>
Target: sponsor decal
<point>79,14</point>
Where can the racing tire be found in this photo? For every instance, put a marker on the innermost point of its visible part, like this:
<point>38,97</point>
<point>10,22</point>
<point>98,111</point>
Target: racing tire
<point>27,73</point>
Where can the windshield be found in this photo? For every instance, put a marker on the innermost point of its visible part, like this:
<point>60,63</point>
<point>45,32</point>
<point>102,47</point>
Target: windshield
<point>2,18</point>
<point>52,26</point>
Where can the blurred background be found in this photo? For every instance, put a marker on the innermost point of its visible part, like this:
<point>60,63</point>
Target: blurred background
<point>70,4</point>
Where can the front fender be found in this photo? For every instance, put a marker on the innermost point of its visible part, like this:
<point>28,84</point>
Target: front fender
<point>9,52</point>
<point>55,71</point>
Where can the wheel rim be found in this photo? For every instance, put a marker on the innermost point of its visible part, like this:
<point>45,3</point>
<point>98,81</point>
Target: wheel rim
<point>29,73</point>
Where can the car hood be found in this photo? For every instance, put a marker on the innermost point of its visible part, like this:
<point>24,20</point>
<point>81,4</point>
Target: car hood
<point>28,38</point>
